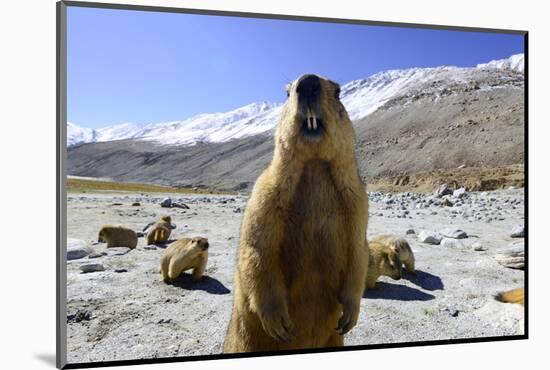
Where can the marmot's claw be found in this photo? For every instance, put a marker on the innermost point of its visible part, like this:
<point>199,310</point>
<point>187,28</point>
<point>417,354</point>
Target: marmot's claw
<point>348,319</point>
<point>281,329</point>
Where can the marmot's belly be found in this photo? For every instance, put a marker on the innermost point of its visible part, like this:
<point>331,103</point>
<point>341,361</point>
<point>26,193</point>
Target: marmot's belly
<point>313,283</point>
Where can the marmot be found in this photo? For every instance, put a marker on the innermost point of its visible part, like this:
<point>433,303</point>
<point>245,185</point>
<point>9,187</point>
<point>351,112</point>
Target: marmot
<point>401,246</point>
<point>302,259</point>
<point>383,260</point>
<point>184,254</point>
<point>512,296</point>
<point>160,231</point>
<point>117,236</point>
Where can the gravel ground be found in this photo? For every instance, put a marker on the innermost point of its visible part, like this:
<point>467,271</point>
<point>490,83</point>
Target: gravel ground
<point>125,311</point>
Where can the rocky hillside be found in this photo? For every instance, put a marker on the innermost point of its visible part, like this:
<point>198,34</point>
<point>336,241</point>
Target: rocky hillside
<point>406,122</point>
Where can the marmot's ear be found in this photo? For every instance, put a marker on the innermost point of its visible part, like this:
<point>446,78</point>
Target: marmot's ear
<point>336,89</point>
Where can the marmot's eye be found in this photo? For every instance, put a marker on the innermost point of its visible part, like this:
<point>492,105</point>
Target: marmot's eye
<point>337,93</point>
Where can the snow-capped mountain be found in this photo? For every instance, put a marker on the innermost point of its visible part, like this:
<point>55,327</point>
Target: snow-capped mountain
<point>360,97</point>
<point>515,62</point>
<point>78,135</point>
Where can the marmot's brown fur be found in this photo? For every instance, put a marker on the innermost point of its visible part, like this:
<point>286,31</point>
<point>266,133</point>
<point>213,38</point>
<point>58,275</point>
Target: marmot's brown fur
<point>401,246</point>
<point>383,260</point>
<point>184,254</point>
<point>160,231</point>
<point>302,259</point>
<point>512,296</point>
<point>117,236</point>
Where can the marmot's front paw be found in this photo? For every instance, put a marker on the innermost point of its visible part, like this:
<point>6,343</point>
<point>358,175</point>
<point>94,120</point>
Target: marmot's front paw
<point>350,314</point>
<point>277,323</point>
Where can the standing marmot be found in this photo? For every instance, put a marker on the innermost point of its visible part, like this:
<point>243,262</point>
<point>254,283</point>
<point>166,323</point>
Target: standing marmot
<point>117,236</point>
<point>184,254</point>
<point>383,260</point>
<point>401,246</point>
<point>160,231</point>
<point>302,259</point>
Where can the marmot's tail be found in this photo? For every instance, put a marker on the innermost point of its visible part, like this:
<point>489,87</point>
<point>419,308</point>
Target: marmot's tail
<point>512,296</point>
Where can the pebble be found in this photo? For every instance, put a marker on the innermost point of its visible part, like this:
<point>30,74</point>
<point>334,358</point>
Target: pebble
<point>79,315</point>
<point>410,232</point>
<point>447,203</point>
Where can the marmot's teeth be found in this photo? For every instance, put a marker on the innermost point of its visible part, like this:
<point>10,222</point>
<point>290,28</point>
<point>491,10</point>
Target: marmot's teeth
<point>314,123</point>
<point>309,123</point>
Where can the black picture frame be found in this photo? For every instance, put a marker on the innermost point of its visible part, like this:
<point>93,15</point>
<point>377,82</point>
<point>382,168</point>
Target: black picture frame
<point>61,175</point>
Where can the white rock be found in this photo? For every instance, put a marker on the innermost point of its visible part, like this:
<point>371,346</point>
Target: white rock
<point>459,193</point>
<point>451,243</point>
<point>429,237</point>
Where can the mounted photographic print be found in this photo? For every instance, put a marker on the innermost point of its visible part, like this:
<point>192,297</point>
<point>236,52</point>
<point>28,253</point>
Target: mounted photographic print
<point>234,184</point>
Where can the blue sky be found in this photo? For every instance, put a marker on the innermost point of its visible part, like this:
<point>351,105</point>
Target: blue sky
<point>133,66</point>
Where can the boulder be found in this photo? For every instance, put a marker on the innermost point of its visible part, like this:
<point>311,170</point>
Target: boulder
<point>513,257</point>
<point>429,237</point>
<point>92,267</point>
<point>443,190</point>
<point>459,193</point>
<point>77,249</point>
<point>518,232</point>
<point>166,203</point>
<point>451,243</point>
<point>454,233</point>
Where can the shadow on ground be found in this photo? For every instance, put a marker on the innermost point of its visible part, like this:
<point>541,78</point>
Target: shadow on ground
<point>46,358</point>
<point>207,283</point>
<point>396,292</point>
<point>425,280</point>
<point>163,245</point>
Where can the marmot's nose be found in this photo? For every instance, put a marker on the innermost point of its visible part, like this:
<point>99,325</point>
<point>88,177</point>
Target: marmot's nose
<point>308,87</point>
